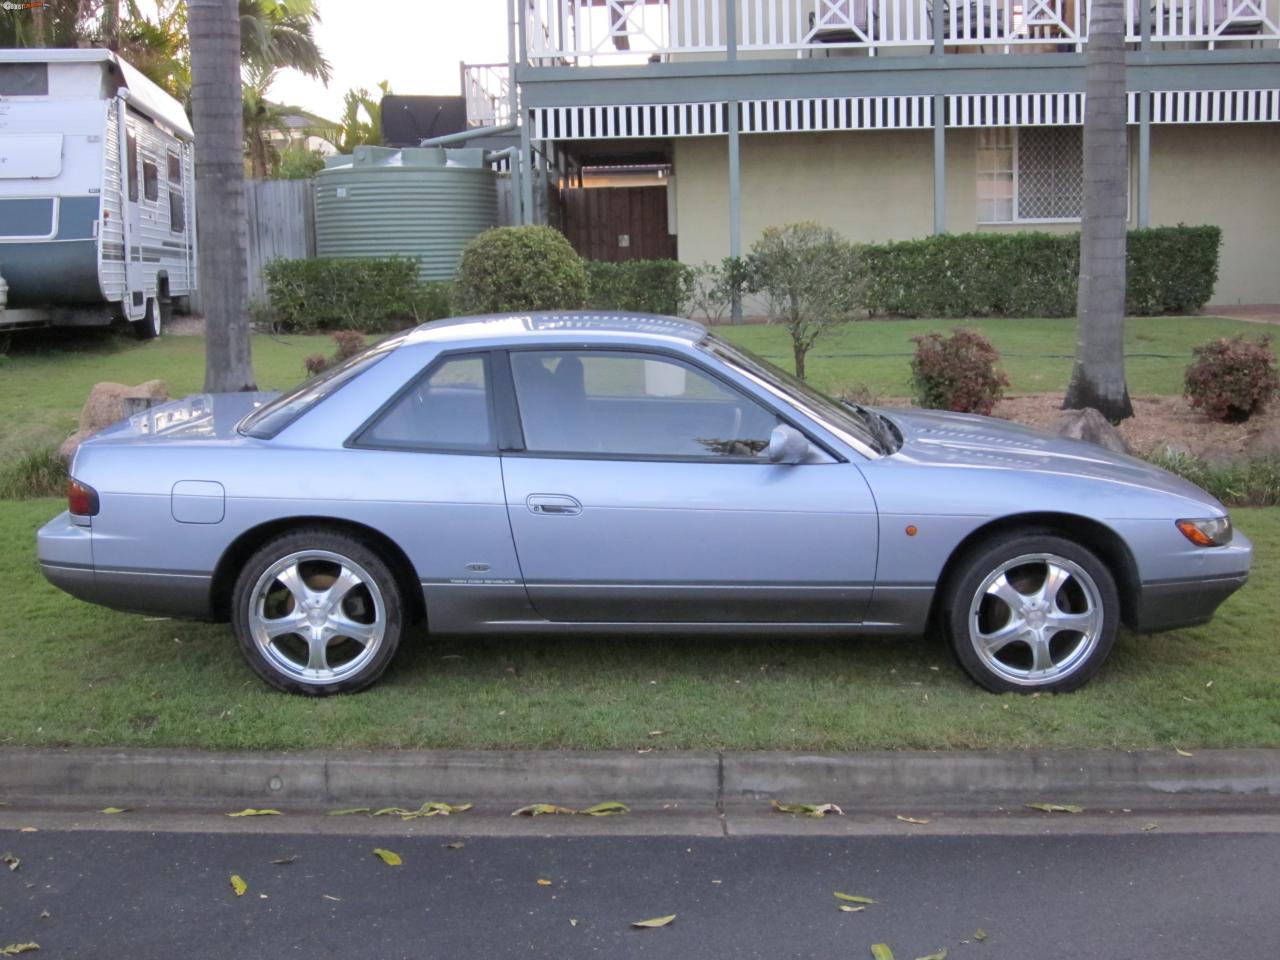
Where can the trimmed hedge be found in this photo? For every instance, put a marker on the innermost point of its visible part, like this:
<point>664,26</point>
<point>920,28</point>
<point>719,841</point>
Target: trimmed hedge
<point>369,294</point>
<point>1169,270</point>
<point>644,286</point>
<point>519,268</point>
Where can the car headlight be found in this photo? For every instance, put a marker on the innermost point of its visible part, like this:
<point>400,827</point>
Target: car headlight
<point>1207,533</point>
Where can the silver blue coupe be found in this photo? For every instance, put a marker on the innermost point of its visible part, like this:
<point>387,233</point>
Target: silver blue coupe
<point>623,475</point>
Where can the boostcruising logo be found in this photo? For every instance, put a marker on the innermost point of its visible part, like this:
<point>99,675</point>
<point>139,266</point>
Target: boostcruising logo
<point>30,5</point>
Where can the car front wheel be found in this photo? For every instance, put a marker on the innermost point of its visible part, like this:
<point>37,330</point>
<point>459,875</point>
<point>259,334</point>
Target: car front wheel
<point>317,612</point>
<point>1030,613</point>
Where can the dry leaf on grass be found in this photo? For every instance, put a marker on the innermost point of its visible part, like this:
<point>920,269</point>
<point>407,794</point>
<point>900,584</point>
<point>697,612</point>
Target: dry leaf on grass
<point>250,812</point>
<point>1056,807</point>
<point>655,922</point>
<point>807,809</point>
<point>389,858</point>
<point>238,884</point>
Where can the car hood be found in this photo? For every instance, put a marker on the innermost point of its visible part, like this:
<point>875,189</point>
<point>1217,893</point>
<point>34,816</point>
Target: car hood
<point>202,417</point>
<point>935,437</point>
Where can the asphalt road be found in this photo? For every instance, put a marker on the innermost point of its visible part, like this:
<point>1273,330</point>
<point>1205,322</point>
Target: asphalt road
<point>143,895</point>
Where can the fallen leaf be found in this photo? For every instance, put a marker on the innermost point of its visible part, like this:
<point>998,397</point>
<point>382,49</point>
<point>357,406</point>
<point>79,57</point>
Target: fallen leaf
<point>656,733</point>
<point>13,949</point>
<point>1153,825</point>
<point>29,830</point>
<point>543,883</point>
<point>114,810</point>
<point>10,861</point>
<point>282,861</point>
<point>807,809</point>
<point>573,922</point>
<point>348,812</point>
<point>45,914</point>
<point>1056,807</point>
<point>538,809</point>
<point>849,897</point>
<point>456,845</point>
<point>1182,753</point>
<point>940,955</point>
<point>434,808</point>
<point>238,884</point>
<point>881,951</point>
<point>389,858</point>
<point>655,922</point>
<point>849,908</point>
<point>334,899</point>
<point>250,812</point>
<point>1208,685</point>
<point>980,935</point>
<point>607,809</point>
<point>912,820</point>
<point>389,811</point>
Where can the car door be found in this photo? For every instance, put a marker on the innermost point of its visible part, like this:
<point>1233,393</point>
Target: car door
<point>642,493</point>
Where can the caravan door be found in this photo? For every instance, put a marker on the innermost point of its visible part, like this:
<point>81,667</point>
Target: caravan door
<point>134,302</point>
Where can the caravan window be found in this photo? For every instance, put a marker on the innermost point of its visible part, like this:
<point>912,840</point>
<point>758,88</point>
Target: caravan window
<point>131,175</point>
<point>175,168</point>
<point>177,213</point>
<point>24,79</point>
<point>150,180</point>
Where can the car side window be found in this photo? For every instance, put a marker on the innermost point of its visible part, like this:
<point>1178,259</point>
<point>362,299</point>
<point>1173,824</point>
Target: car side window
<point>448,408</point>
<point>625,403</point>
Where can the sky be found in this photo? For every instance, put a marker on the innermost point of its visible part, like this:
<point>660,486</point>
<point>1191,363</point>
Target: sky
<point>415,44</point>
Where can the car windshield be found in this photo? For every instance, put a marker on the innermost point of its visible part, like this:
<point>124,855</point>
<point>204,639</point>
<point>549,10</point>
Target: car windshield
<point>269,419</point>
<point>855,423</point>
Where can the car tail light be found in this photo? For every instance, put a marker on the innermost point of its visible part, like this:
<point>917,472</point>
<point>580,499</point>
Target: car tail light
<point>1215,532</point>
<point>82,499</point>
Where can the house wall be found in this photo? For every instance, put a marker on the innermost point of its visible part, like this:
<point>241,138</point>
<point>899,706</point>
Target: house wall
<point>878,185</point>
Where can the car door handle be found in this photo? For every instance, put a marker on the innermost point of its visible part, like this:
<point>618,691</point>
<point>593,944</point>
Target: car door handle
<point>553,504</point>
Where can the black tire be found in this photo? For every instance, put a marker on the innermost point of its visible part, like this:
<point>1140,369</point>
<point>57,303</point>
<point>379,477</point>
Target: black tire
<point>1033,650</point>
<point>152,322</point>
<point>261,601</point>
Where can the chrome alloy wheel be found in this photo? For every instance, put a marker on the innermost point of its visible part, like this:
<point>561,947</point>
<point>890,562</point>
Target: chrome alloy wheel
<point>317,617</point>
<point>1035,619</point>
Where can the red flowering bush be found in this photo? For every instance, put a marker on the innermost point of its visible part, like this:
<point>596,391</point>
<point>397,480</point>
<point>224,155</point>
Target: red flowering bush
<point>1230,379</point>
<point>957,373</point>
<point>315,364</point>
<point>350,342</point>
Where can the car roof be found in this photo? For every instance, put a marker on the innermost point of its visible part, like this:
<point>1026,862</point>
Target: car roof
<point>576,325</point>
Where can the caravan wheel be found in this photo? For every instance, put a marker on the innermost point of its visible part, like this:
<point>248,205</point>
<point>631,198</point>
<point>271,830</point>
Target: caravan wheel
<point>148,328</point>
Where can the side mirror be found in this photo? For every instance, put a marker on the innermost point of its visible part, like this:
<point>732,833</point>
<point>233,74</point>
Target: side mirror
<point>787,445</point>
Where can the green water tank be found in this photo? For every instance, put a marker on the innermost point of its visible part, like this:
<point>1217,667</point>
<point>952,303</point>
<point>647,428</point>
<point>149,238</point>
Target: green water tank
<point>424,202</point>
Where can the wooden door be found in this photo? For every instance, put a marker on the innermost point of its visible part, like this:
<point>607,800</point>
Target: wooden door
<point>617,223</point>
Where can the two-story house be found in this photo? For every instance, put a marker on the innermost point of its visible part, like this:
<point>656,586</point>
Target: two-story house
<point>886,119</point>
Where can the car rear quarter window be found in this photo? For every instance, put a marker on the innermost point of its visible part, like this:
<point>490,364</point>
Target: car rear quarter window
<point>633,404</point>
<point>268,420</point>
<point>448,408</point>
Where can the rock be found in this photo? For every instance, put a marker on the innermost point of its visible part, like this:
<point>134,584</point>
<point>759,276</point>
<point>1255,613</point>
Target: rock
<point>108,403</point>
<point>1266,442</point>
<point>1090,425</point>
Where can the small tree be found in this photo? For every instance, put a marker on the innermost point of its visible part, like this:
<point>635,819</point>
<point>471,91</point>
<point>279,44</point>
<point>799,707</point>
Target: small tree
<point>810,277</point>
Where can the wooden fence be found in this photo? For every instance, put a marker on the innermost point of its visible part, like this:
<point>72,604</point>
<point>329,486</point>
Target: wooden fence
<point>281,223</point>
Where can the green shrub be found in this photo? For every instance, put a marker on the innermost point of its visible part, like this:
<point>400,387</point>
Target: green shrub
<point>1230,379</point>
<point>519,268</point>
<point>369,294</point>
<point>432,300</point>
<point>957,373</point>
<point>1169,269</point>
<point>643,286</point>
<point>1247,482</point>
<point>37,473</point>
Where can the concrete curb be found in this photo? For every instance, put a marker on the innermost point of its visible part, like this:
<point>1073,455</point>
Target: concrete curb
<point>977,781</point>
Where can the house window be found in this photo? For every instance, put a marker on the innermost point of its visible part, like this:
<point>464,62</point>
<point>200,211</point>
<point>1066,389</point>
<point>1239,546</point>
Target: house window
<point>177,212</point>
<point>175,168</point>
<point>1030,173</point>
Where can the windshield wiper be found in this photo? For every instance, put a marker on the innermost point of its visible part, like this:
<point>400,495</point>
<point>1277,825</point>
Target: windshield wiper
<point>879,425</point>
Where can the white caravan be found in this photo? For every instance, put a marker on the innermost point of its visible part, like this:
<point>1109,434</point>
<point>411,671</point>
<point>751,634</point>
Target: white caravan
<point>97,200</point>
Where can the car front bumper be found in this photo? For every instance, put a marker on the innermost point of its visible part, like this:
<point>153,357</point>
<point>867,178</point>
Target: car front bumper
<point>1169,604</point>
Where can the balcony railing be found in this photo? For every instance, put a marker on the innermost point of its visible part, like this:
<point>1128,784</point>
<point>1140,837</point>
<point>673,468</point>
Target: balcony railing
<point>487,87</point>
<point>621,31</point>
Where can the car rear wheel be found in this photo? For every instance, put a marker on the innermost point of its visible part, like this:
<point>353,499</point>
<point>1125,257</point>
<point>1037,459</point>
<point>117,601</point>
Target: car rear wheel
<point>1030,613</point>
<point>317,612</point>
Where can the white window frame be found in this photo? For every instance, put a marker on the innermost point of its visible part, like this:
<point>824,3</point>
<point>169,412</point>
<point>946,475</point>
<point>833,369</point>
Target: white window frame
<point>1014,137</point>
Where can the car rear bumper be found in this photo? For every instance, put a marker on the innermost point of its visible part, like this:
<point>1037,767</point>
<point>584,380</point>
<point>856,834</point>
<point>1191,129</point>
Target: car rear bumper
<point>65,552</point>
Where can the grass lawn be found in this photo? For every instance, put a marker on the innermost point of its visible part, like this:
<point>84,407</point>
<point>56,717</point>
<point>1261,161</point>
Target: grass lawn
<point>71,673</point>
<point>42,390</point>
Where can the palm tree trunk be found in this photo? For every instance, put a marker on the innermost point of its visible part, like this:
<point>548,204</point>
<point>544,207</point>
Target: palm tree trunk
<point>219,126</point>
<point>1098,378</point>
